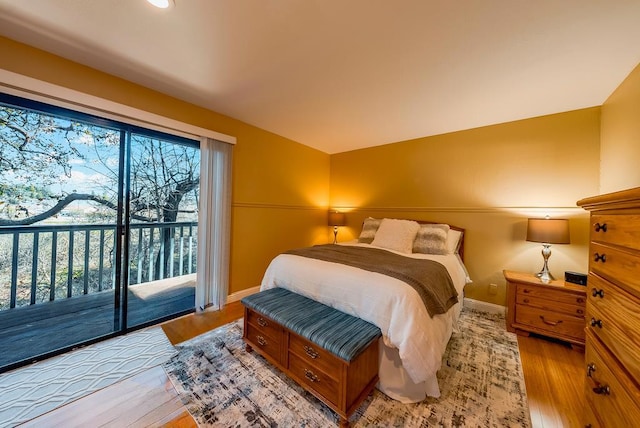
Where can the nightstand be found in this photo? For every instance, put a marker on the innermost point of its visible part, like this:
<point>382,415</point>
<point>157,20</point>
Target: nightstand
<point>556,309</point>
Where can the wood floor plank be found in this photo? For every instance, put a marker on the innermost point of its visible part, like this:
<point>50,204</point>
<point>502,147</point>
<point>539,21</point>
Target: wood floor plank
<point>554,380</point>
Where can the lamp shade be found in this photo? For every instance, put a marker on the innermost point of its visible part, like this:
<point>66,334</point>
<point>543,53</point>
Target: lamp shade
<point>336,218</point>
<point>548,230</point>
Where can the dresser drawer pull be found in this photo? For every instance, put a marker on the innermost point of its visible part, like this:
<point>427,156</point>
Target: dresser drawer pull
<point>262,322</point>
<point>580,312</point>
<point>595,292</point>
<point>599,258</point>
<point>310,352</point>
<point>551,323</point>
<point>526,300</point>
<point>602,390</point>
<point>600,227</point>
<point>596,323</point>
<point>579,300</point>
<point>526,291</point>
<point>311,375</point>
<point>261,340</point>
<point>590,369</point>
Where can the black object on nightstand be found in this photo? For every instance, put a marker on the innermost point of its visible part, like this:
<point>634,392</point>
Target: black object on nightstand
<point>575,278</point>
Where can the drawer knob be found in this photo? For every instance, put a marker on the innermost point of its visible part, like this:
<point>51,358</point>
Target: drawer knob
<point>596,323</point>
<point>311,375</point>
<point>526,300</point>
<point>602,390</point>
<point>595,292</point>
<point>310,352</point>
<point>551,323</point>
<point>599,258</point>
<point>600,227</point>
<point>262,322</point>
<point>579,300</point>
<point>261,340</point>
<point>591,367</point>
<point>580,312</point>
<point>526,291</point>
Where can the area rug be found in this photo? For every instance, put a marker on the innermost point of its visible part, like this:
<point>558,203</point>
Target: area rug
<point>481,383</point>
<point>33,390</point>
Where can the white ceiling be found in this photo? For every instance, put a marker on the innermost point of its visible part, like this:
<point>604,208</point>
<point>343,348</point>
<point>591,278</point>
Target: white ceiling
<point>340,75</point>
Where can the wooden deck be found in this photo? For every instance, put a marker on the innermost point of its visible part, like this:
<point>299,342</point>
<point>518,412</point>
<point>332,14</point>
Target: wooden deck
<point>31,331</point>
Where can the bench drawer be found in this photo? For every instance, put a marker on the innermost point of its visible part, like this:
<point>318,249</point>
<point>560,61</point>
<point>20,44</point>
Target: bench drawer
<point>271,345</point>
<point>310,377</point>
<point>314,355</point>
<point>263,323</point>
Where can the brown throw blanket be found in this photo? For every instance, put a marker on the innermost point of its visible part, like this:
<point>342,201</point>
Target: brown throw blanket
<point>429,278</point>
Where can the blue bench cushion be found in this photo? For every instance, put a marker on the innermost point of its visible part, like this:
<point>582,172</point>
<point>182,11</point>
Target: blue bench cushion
<point>341,334</point>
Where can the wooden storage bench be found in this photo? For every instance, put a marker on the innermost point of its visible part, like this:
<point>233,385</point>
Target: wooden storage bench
<point>331,354</point>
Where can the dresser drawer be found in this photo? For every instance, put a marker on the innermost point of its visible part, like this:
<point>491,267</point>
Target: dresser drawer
<point>310,377</point>
<point>556,323</point>
<point>611,395</point>
<point>619,266</point>
<point>575,309</point>
<point>615,319</point>
<point>266,341</point>
<point>266,325</point>
<point>315,356</point>
<point>622,230</point>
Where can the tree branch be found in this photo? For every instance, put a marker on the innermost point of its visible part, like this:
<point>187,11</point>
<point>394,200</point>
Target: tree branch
<point>62,203</point>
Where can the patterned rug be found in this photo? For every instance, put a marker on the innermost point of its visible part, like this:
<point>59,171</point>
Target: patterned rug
<point>33,390</point>
<point>481,383</point>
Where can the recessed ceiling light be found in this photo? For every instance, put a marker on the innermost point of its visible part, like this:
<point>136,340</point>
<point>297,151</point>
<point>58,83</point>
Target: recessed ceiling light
<point>162,4</point>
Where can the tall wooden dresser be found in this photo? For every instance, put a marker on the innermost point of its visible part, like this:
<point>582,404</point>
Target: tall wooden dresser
<point>612,366</point>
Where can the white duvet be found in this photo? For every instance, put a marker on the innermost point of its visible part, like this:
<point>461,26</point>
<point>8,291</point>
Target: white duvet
<point>387,302</point>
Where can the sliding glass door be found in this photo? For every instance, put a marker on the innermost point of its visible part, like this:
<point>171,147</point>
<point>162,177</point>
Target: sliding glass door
<point>98,224</point>
<point>162,209</point>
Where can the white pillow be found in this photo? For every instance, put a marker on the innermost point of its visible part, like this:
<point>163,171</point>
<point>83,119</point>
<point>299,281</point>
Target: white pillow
<point>453,241</point>
<point>396,235</point>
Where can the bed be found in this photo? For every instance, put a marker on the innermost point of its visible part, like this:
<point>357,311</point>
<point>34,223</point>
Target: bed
<point>413,340</point>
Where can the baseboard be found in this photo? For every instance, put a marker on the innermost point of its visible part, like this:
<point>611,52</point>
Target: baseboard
<point>479,305</point>
<point>239,295</point>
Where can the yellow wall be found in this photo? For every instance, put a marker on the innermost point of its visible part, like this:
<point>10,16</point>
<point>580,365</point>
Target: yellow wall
<point>280,187</point>
<point>487,180</point>
<point>620,136</point>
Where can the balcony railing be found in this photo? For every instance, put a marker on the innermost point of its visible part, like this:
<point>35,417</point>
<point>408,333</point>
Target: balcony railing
<point>52,262</point>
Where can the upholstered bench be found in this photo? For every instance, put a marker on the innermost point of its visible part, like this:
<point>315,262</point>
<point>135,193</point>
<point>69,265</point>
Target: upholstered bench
<point>331,354</point>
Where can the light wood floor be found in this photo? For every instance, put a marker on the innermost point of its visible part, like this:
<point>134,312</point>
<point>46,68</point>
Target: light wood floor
<point>553,375</point>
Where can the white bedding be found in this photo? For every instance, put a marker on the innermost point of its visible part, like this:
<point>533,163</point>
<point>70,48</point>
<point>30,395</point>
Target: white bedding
<point>387,302</point>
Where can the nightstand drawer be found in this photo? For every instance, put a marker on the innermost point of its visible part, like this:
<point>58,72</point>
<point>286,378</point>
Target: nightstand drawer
<point>575,309</point>
<point>555,294</point>
<point>622,230</point>
<point>558,324</point>
<point>615,264</point>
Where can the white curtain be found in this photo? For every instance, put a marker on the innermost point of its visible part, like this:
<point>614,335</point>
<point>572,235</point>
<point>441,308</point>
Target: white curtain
<point>214,224</point>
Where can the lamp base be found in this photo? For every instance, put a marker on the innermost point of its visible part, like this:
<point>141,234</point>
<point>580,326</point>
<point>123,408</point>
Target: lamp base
<point>544,275</point>
<point>335,234</point>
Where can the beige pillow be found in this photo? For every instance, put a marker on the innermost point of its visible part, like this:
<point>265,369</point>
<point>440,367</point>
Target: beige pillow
<point>431,239</point>
<point>453,241</point>
<point>369,228</point>
<point>396,235</point>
